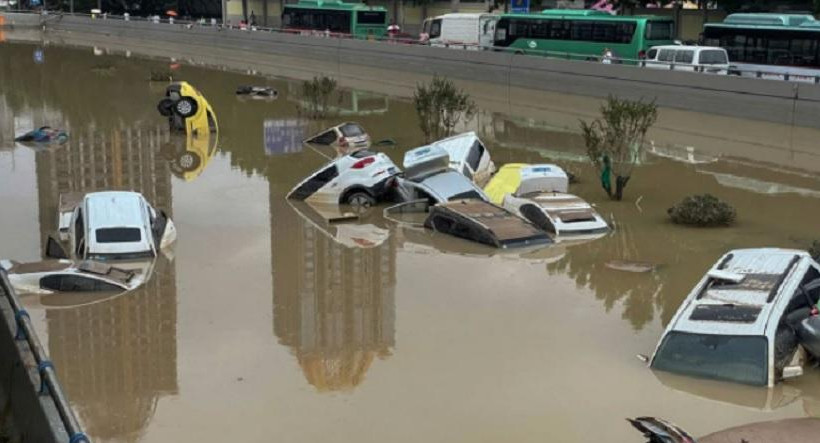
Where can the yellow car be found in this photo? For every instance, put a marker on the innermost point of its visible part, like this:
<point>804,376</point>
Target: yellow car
<point>187,110</point>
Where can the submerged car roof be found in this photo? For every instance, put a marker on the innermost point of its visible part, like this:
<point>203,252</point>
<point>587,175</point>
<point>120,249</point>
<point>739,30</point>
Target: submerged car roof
<point>116,209</point>
<point>449,184</point>
<point>740,292</point>
<point>458,146</point>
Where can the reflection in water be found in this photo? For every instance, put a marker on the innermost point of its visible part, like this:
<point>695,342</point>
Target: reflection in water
<point>118,357</point>
<point>283,136</point>
<point>333,305</point>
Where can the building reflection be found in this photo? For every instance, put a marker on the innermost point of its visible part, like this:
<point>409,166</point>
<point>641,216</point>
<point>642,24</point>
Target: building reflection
<point>333,305</point>
<point>118,357</point>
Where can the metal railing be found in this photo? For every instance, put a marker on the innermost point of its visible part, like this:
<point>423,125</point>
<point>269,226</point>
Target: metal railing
<point>49,384</point>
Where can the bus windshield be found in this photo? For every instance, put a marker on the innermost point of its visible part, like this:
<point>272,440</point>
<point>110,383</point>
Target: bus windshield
<point>736,358</point>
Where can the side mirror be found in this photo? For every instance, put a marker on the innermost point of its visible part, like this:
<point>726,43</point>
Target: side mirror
<point>792,372</point>
<point>54,249</point>
<point>643,357</point>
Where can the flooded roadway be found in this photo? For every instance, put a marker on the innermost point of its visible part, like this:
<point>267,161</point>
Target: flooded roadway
<point>264,326</point>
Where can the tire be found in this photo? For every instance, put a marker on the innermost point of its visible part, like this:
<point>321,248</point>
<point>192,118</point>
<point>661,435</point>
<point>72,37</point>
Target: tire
<point>360,200</point>
<point>188,161</point>
<point>185,107</point>
<point>165,107</point>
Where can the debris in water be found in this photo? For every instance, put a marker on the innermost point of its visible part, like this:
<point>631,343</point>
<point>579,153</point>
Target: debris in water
<point>630,266</point>
<point>44,134</point>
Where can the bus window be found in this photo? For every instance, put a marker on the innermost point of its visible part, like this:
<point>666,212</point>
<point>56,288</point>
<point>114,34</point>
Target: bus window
<point>371,17</point>
<point>657,30</point>
<point>540,29</point>
<point>582,31</point>
<point>559,30</point>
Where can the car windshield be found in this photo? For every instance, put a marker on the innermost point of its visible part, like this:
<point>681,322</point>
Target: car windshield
<point>352,130</point>
<point>741,359</point>
<point>118,235</point>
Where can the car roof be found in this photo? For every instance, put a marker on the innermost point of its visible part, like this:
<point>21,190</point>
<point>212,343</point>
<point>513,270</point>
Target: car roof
<point>719,306</point>
<point>449,183</point>
<point>458,146</point>
<point>695,47</point>
<point>116,209</point>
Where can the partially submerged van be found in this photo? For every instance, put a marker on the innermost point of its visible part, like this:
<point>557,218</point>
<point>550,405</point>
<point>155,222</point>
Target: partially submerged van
<point>472,31</point>
<point>708,59</point>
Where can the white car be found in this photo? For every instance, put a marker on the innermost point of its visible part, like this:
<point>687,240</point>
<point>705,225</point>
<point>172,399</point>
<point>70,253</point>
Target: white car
<point>344,138</point>
<point>47,277</point>
<point>361,179</point>
<point>708,59</point>
<point>539,194</point>
<point>117,225</point>
<point>751,319</point>
<point>468,155</point>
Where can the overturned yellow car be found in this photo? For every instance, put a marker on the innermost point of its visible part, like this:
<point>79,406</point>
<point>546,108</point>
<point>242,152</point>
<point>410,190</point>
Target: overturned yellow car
<point>187,110</point>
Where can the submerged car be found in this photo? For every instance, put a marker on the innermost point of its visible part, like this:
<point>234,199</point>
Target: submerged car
<point>428,176</point>
<point>187,110</point>
<point>361,178</point>
<point>752,319</point>
<point>344,138</point>
<point>117,225</point>
<point>51,276</point>
<point>42,135</point>
<point>794,430</point>
<point>539,194</point>
<point>468,156</point>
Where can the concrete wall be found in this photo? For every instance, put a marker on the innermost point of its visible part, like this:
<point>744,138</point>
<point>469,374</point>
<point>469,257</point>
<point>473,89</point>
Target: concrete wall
<point>746,98</point>
<point>35,416</point>
<point>12,20</point>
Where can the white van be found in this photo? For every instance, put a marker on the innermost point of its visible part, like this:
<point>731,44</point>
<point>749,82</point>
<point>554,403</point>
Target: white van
<point>460,30</point>
<point>708,59</point>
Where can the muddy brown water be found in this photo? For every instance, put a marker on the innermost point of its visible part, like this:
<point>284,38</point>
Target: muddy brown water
<point>266,326</point>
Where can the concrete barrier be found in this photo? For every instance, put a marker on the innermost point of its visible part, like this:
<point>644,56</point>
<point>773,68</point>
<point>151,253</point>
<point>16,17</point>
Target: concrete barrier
<point>748,98</point>
<point>35,416</point>
<point>19,20</point>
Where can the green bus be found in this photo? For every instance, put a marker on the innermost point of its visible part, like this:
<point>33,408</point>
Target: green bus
<point>582,33</point>
<point>775,44</point>
<point>337,17</point>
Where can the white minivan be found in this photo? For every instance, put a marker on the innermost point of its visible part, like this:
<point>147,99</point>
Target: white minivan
<point>460,30</point>
<point>709,59</point>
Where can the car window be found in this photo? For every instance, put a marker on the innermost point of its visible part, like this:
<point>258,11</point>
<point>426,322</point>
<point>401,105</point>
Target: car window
<point>652,54</point>
<point>666,55</point>
<point>474,156</point>
<point>118,235</point>
<point>684,56</point>
<point>435,28</point>
<point>325,138</point>
<point>466,195</point>
<point>351,130</point>
<point>713,57</point>
<point>741,359</point>
<point>75,283</point>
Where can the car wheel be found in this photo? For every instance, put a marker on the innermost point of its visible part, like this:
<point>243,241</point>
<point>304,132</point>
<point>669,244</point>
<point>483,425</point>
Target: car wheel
<point>188,161</point>
<point>165,107</point>
<point>185,107</point>
<point>360,200</point>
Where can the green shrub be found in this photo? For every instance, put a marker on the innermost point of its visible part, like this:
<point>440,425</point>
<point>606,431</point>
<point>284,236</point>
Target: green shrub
<point>702,210</point>
<point>440,106</point>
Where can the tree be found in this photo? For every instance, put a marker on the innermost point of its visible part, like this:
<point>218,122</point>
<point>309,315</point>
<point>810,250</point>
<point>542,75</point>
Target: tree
<point>440,107</point>
<point>317,93</point>
<point>615,141</point>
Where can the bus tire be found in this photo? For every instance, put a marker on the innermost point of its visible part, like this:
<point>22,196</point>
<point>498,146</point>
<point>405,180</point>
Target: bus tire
<point>518,53</point>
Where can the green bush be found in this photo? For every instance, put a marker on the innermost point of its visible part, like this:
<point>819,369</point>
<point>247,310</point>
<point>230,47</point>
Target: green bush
<point>702,210</point>
<point>440,106</point>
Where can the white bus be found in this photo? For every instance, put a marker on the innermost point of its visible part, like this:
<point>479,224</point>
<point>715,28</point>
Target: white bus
<point>460,30</point>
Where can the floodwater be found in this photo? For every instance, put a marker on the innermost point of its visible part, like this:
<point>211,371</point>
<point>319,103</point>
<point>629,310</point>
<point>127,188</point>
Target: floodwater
<point>264,326</point>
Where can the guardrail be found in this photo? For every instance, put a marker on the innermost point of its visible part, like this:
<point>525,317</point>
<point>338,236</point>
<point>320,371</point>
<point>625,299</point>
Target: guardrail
<point>49,384</point>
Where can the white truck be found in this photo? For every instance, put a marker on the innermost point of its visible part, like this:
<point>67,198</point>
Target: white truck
<point>472,31</point>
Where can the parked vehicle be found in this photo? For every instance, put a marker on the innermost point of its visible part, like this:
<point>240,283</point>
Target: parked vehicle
<point>187,110</point>
<point>257,92</point>
<point>708,59</point>
<point>51,276</point>
<point>583,34</point>
<point>539,194</point>
<point>793,430</point>
<point>111,225</point>
<point>749,320</point>
<point>361,178</point>
<point>429,175</point>
<point>344,138</point>
<point>43,134</point>
<point>472,31</point>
